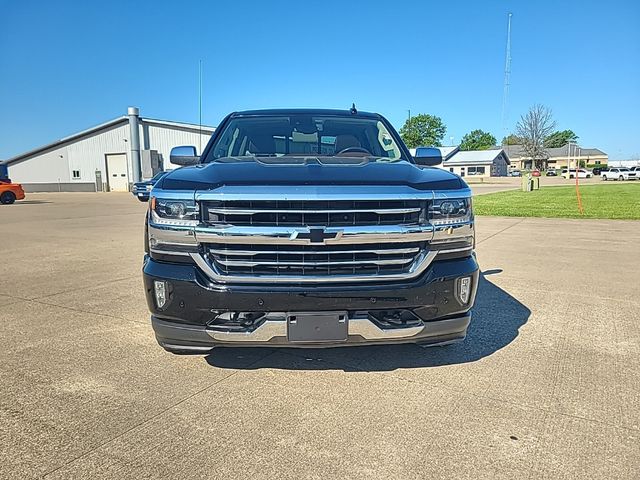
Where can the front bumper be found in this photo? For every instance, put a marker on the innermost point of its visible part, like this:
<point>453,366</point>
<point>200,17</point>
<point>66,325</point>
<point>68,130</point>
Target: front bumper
<point>142,194</point>
<point>189,321</point>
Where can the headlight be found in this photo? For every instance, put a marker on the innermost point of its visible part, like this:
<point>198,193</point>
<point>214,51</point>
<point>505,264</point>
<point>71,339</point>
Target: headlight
<point>450,211</point>
<point>172,211</point>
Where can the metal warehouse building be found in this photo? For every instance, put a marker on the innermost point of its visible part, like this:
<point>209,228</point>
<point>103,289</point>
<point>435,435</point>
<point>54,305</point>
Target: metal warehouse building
<point>108,157</point>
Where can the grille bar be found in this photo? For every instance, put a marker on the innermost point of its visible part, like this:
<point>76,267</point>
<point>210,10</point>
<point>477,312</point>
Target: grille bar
<point>228,252</point>
<point>320,261</point>
<point>286,263</point>
<point>379,211</point>
<point>301,213</point>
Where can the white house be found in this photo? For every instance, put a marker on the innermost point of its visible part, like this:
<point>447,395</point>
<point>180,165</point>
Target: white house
<point>482,163</point>
<point>108,157</point>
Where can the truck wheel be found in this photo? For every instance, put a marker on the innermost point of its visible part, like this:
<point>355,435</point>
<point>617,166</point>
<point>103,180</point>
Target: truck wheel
<point>604,178</point>
<point>621,178</point>
<point>7,198</point>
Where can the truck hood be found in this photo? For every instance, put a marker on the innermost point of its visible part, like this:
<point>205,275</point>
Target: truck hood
<point>250,173</point>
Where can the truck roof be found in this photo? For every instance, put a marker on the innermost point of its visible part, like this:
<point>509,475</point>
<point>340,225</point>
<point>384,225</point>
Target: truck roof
<point>307,111</point>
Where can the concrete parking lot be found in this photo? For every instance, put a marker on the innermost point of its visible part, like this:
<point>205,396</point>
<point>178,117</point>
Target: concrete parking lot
<point>545,385</point>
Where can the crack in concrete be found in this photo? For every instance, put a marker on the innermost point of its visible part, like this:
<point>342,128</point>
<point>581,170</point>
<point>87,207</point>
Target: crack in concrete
<point>483,397</point>
<point>146,421</point>
<point>500,231</point>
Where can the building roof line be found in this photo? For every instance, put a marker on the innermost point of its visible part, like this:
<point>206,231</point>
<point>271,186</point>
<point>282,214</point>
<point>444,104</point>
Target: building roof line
<point>171,123</point>
<point>98,128</point>
<point>65,140</point>
<point>488,156</point>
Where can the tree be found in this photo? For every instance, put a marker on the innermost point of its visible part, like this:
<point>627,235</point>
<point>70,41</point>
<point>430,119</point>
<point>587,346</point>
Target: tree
<point>532,128</point>
<point>423,131</point>
<point>511,139</point>
<point>560,139</point>
<point>477,140</point>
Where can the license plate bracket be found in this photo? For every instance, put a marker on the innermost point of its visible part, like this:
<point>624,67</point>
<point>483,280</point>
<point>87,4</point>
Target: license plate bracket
<point>317,327</point>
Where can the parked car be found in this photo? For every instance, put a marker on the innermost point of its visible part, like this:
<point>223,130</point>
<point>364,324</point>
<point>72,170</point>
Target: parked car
<point>635,170</point>
<point>551,173</point>
<point>141,190</point>
<point>10,192</point>
<point>599,170</point>
<point>620,173</point>
<point>279,238</point>
<point>515,173</point>
<point>535,173</point>
<point>571,173</point>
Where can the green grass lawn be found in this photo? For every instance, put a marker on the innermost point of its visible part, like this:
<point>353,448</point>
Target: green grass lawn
<point>613,200</point>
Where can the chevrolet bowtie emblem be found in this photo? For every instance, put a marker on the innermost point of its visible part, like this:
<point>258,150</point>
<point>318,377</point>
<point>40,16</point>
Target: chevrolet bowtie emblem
<point>315,235</point>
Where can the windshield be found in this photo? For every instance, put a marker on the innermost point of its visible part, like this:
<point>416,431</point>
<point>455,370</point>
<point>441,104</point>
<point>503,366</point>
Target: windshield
<point>157,176</point>
<point>304,136</point>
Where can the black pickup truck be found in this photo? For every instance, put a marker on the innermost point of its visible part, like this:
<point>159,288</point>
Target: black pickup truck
<point>308,228</point>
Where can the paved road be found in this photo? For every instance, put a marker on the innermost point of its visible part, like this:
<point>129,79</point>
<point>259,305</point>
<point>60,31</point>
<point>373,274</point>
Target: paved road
<point>545,386</point>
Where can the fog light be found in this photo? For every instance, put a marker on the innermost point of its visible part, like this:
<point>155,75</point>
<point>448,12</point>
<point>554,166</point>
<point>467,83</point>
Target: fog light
<point>160,290</point>
<point>464,289</point>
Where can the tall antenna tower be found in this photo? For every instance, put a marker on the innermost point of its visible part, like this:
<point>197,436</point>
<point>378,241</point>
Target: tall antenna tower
<point>507,79</point>
<point>200,106</point>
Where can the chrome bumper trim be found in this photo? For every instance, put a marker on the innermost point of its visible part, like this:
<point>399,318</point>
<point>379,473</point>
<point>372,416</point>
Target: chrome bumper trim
<point>172,234</point>
<point>277,327</point>
<point>169,252</point>
<point>455,250</point>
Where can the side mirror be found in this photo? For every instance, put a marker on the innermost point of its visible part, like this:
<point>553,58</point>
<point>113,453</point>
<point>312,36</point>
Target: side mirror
<point>184,156</point>
<point>428,156</point>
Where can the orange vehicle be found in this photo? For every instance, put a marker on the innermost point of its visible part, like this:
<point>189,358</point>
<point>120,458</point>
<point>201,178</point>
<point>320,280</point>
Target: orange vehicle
<point>10,192</point>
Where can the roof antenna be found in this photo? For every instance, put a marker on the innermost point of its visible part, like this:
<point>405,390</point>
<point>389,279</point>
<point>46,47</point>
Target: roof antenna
<point>353,109</point>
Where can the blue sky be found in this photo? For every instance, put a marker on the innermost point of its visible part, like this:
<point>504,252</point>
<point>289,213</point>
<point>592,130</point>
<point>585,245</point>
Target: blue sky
<point>65,66</point>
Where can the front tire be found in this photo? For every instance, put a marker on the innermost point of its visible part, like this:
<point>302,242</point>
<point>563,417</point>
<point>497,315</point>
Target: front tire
<point>621,178</point>
<point>7,198</point>
<point>604,178</point>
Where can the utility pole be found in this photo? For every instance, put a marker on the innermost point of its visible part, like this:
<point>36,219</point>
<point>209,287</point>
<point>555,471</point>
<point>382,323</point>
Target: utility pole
<point>580,208</point>
<point>507,78</point>
<point>200,107</point>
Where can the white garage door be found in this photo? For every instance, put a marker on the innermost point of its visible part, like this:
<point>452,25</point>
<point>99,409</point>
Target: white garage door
<point>117,175</point>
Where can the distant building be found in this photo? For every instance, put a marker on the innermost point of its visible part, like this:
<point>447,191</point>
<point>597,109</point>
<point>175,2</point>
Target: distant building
<point>558,157</point>
<point>108,157</point>
<point>480,163</point>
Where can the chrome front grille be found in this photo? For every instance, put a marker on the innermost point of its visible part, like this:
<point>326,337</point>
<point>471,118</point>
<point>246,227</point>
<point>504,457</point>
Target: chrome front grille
<point>308,234</point>
<point>319,261</point>
<point>296,213</point>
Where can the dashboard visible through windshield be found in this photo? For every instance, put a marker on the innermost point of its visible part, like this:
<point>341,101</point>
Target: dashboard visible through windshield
<point>302,135</point>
